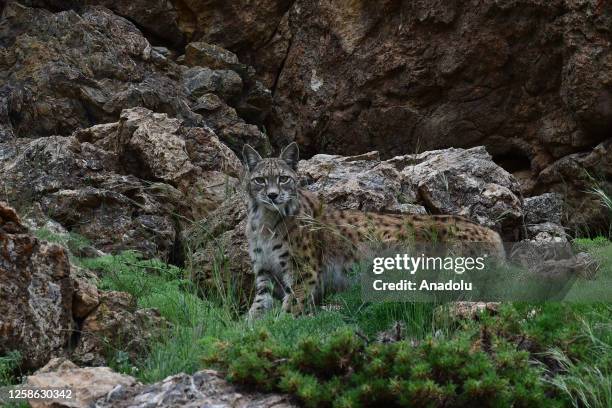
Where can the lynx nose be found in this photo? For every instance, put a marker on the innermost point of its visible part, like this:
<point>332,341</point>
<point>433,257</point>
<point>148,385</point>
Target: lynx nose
<point>272,196</point>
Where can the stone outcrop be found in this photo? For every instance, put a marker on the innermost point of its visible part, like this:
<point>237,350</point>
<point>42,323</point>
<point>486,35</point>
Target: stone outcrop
<point>122,185</point>
<point>55,308</point>
<point>37,292</point>
<point>116,322</point>
<point>57,82</point>
<point>101,387</point>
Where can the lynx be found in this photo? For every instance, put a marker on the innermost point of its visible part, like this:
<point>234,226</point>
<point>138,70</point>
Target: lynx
<point>300,248</point>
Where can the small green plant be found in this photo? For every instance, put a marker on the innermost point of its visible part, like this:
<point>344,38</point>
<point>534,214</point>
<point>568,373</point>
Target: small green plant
<point>71,240</point>
<point>164,287</point>
<point>587,382</point>
<point>9,364</point>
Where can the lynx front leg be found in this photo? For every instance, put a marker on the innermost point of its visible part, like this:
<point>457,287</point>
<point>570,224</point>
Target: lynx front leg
<point>302,290</point>
<point>263,294</point>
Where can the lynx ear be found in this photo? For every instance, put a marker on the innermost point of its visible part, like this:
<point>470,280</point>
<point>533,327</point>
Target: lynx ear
<point>250,156</point>
<point>291,155</point>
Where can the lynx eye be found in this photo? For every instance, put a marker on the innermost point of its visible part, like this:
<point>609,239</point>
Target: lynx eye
<point>284,179</point>
<point>259,180</point>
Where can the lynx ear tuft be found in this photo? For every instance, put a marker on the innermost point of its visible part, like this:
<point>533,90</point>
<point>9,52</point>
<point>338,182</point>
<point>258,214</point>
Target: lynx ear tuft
<point>291,155</point>
<point>250,156</point>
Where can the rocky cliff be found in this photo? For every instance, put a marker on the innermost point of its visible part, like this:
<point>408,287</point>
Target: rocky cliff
<point>529,80</point>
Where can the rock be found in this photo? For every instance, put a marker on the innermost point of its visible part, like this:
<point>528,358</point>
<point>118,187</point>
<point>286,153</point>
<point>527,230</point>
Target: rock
<point>35,276</point>
<point>117,323</point>
<point>87,384</point>
<point>205,388</point>
<point>467,183</point>
<point>546,231</point>
<point>209,55</point>
<point>201,80</point>
<point>356,76</point>
<point>85,298</point>
<point>575,177</point>
<point>361,182</point>
<point>230,128</point>
<point>547,207</point>
<point>58,82</point>
<point>121,185</point>
<point>242,27</point>
<point>158,18</point>
<point>470,310</point>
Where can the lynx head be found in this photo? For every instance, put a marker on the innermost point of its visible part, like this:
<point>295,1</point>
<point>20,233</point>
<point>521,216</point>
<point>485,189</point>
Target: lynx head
<point>273,182</point>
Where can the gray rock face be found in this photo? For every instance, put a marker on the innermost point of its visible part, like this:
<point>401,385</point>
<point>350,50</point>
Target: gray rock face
<point>158,18</point>
<point>57,81</point>
<point>121,184</point>
<point>467,183</point>
<point>574,176</point>
<point>203,389</point>
<point>199,81</point>
<point>209,55</point>
<point>37,290</point>
<point>547,207</point>
<point>358,182</point>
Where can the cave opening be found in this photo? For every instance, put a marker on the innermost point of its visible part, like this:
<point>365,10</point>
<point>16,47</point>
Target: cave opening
<point>513,161</point>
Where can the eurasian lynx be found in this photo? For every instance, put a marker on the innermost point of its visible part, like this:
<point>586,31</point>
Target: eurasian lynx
<point>299,246</point>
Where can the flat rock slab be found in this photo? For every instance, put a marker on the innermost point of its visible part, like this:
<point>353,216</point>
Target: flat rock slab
<point>203,389</point>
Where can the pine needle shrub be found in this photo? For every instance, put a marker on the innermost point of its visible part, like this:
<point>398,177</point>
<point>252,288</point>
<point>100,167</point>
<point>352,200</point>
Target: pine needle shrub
<point>341,370</point>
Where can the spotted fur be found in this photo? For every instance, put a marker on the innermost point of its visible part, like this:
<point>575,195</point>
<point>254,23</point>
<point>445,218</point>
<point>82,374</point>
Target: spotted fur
<point>300,247</point>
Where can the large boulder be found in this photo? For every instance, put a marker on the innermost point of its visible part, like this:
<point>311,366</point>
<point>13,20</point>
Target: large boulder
<point>36,291</point>
<point>130,184</point>
<point>579,178</point>
<point>87,384</point>
<point>157,18</point>
<point>467,183</point>
<point>363,182</point>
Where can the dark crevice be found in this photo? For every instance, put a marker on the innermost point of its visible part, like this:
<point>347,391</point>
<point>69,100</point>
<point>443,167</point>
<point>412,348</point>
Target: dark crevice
<point>281,68</point>
<point>176,256</point>
<point>513,161</point>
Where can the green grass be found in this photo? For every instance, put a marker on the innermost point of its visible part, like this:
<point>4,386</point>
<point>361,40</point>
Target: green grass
<point>9,364</point>
<point>274,352</point>
<point>155,284</point>
<point>10,375</point>
<point>597,289</point>
<point>587,382</point>
<point>73,241</point>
